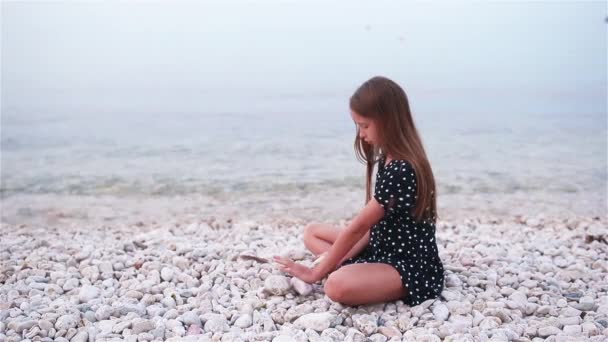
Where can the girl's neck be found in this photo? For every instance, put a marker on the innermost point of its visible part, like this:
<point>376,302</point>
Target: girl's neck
<point>387,159</point>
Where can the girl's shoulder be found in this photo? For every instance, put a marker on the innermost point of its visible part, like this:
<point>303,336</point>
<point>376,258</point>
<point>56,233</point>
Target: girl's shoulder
<point>399,165</point>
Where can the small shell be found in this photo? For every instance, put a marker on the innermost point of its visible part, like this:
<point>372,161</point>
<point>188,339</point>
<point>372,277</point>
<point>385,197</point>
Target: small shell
<point>254,258</point>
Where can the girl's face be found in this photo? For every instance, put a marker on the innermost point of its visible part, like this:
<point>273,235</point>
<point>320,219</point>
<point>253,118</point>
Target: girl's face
<point>367,128</point>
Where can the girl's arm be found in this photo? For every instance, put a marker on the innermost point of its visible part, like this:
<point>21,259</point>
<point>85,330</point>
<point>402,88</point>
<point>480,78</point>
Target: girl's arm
<point>359,247</point>
<point>347,238</point>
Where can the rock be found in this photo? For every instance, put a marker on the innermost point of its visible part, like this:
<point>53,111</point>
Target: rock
<point>194,330</point>
<point>106,268</point>
<point>573,320</point>
<point>134,294</point>
<point>459,307</point>
<point>570,312</point>
<point>589,328</point>
<point>81,336</point>
<point>20,326</point>
<point>175,327</point>
<point>473,281</point>
<point>88,293</point>
<point>83,254</point>
<point>166,274</point>
<point>106,327</point>
<point>181,262</point>
<point>548,331</point>
<point>300,286</point>
<point>477,318</point>
<point>277,285</point>
<point>389,332</point>
<point>572,295</point>
<point>298,311</point>
<point>451,295</point>
<point>66,322</point>
<point>367,324</point>
<point>216,325</point>
<point>460,324</point>
<point>586,303</point>
<point>91,273</point>
<point>123,309</point>
<point>452,280</point>
<point>430,338</point>
<point>529,283</point>
<point>120,326</point>
<point>190,318</point>
<point>489,323</point>
<point>519,299</point>
<point>244,321</point>
<point>492,278</point>
<point>145,337</point>
<point>546,310</point>
<point>377,338</point>
<point>45,325</point>
<point>70,284</point>
<point>530,308</point>
<point>441,312</point>
<point>142,325</point>
<point>333,334</point>
<point>104,312</point>
<point>574,330</point>
<point>315,321</point>
<point>354,335</point>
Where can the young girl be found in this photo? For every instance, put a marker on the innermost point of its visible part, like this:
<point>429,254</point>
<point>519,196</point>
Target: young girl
<point>388,251</point>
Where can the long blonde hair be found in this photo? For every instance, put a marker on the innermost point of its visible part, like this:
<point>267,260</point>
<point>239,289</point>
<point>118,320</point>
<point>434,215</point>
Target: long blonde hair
<point>385,102</point>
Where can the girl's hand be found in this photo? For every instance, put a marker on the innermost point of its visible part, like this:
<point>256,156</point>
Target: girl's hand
<point>300,271</point>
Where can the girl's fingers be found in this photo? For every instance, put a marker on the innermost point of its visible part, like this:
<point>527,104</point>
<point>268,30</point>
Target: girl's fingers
<point>283,261</point>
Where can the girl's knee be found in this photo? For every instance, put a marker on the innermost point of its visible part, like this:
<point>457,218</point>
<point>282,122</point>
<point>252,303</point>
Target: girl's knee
<point>310,230</point>
<point>335,288</point>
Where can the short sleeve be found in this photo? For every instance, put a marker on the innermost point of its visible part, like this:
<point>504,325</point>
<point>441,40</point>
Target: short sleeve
<point>396,186</point>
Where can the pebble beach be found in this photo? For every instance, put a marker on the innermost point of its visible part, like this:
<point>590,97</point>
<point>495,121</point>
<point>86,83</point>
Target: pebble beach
<point>145,271</point>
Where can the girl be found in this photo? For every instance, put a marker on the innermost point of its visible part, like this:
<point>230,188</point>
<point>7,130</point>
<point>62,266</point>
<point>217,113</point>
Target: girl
<point>388,251</point>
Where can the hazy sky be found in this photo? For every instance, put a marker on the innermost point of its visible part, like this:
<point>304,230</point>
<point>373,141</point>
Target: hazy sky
<point>139,54</point>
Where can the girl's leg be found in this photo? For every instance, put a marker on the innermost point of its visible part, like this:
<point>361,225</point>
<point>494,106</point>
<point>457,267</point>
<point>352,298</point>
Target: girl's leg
<point>347,286</point>
<point>318,238</point>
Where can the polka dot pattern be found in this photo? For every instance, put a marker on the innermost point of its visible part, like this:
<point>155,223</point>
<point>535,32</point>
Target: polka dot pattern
<point>398,240</point>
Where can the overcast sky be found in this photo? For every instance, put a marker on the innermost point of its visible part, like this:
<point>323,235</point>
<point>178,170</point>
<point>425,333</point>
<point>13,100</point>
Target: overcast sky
<point>57,53</point>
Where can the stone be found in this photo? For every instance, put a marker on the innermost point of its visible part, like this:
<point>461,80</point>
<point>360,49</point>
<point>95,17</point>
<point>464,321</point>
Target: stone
<point>548,331</point>
<point>367,324</point>
<point>166,274</point>
<point>216,325</point>
<point>277,285</point>
<point>142,325</point>
<point>301,287</point>
<point>519,299</point>
<point>452,280</point>
<point>244,321</point>
<point>315,321</point>
<point>66,322</point>
<point>441,312</point>
<point>88,293</point>
<point>574,330</point>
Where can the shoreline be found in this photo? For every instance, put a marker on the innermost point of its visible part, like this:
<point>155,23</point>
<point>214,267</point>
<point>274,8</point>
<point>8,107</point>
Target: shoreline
<point>329,206</point>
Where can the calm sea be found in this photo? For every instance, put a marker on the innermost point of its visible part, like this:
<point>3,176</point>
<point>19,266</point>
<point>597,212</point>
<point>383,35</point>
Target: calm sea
<point>165,99</point>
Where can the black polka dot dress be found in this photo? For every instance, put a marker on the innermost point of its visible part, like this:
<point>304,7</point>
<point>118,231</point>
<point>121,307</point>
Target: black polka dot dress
<point>400,242</point>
